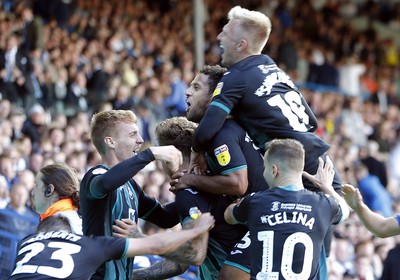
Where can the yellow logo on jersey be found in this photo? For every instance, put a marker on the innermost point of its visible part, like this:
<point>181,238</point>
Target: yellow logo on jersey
<point>217,90</point>
<point>223,155</point>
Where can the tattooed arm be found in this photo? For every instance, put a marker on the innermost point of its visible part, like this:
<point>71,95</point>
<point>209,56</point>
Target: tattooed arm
<point>177,262</point>
<point>160,270</point>
<point>192,252</point>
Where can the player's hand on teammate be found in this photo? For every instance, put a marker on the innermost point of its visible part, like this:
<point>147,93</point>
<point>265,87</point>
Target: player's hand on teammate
<point>126,228</point>
<point>170,155</point>
<point>352,196</point>
<point>323,179</point>
<point>198,164</point>
<point>204,222</point>
<point>178,182</point>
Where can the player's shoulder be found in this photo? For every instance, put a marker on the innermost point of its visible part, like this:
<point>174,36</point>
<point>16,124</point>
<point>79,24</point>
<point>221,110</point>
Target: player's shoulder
<point>94,171</point>
<point>230,127</point>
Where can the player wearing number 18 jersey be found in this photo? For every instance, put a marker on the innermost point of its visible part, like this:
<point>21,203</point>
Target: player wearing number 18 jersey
<point>258,94</point>
<point>288,223</point>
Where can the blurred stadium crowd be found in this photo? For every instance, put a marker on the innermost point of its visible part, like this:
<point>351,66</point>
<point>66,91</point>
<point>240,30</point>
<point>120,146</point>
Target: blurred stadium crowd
<point>61,61</point>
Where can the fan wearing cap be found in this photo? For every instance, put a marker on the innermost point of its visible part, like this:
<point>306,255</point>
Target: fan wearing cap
<point>56,192</point>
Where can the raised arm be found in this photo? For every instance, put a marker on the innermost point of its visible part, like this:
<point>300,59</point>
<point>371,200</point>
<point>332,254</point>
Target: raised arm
<point>115,177</point>
<point>380,226</point>
<point>125,170</point>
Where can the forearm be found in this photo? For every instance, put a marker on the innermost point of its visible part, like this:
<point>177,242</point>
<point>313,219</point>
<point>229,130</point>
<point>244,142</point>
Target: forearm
<point>192,252</point>
<point>218,184</point>
<point>122,172</point>
<point>160,270</point>
<point>380,226</point>
<point>161,243</point>
<point>208,128</point>
<point>228,215</point>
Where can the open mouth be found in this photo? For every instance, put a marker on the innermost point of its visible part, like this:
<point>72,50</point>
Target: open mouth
<point>188,104</point>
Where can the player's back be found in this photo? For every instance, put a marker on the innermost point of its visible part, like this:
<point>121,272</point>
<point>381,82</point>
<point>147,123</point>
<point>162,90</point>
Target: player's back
<point>266,102</point>
<point>287,228</point>
<point>64,255</point>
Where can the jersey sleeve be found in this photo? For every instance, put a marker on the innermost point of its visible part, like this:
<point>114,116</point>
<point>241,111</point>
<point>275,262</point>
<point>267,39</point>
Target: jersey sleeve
<point>241,210</point>
<point>336,210</point>
<point>226,95</point>
<point>151,210</point>
<point>103,182</point>
<point>225,154</point>
<point>114,248</point>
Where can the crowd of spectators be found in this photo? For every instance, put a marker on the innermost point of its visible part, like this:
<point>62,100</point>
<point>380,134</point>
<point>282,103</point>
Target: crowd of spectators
<point>61,61</point>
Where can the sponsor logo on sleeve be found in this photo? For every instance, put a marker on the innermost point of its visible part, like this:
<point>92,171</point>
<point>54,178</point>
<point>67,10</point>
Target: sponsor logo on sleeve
<point>218,89</point>
<point>222,154</point>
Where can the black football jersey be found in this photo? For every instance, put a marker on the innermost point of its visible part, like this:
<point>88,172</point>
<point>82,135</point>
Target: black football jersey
<point>62,255</point>
<point>232,149</point>
<point>266,102</point>
<point>287,229</point>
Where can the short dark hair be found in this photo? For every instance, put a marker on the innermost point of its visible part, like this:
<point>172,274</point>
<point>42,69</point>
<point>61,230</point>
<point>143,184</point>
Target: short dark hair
<point>214,73</point>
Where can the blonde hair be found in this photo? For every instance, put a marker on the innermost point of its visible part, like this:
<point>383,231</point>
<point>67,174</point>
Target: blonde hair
<point>255,25</point>
<point>103,123</point>
<point>287,153</point>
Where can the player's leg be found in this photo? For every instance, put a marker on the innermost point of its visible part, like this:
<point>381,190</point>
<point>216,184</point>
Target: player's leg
<point>237,264</point>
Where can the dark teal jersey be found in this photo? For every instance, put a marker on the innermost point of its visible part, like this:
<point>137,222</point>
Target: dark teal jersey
<point>110,194</point>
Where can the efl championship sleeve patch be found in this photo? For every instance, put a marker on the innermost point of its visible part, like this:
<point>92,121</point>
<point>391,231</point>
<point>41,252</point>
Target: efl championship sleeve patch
<point>217,90</point>
<point>222,154</point>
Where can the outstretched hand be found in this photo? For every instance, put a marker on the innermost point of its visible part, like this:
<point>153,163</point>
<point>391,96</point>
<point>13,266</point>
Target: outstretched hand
<point>352,196</point>
<point>323,179</point>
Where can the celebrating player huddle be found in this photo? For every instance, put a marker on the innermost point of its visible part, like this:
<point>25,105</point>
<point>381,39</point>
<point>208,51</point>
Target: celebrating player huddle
<point>249,210</point>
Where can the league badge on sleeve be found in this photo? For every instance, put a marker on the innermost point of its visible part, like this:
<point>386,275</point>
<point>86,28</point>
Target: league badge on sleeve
<point>222,154</point>
<point>217,90</point>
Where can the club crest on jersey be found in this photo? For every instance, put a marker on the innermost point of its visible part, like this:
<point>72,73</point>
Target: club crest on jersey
<point>217,90</point>
<point>222,154</point>
<point>275,206</point>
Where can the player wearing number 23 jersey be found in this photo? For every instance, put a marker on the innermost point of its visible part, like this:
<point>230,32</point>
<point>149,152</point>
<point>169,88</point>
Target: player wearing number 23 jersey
<point>63,255</point>
<point>287,227</point>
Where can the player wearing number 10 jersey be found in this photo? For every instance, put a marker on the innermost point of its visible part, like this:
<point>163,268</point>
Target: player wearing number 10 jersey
<point>288,223</point>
